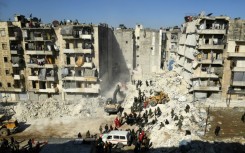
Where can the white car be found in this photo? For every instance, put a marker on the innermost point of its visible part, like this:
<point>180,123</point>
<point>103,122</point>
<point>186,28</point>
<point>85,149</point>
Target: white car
<point>116,137</point>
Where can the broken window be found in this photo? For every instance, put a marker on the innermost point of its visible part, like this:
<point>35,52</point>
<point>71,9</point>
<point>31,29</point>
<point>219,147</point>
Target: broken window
<point>7,72</point>
<point>237,48</point>
<point>206,41</point>
<point>5,59</point>
<point>4,46</point>
<point>34,85</point>
<point>9,84</point>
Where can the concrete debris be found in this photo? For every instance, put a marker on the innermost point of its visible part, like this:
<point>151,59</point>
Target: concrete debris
<point>52,108</point>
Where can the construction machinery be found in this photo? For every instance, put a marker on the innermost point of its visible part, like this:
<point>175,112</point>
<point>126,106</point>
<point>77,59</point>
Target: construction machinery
<point>112,105</point>
<point>159,98</point>
<point>7,127</point>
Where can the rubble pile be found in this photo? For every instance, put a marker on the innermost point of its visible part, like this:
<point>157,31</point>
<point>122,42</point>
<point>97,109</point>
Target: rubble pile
<point>192,120</point>
<point>51,108</point>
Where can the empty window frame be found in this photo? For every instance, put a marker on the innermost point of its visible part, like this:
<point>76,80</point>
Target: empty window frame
<point>5,59</point>
<point>4,46</point>
<point>237,48</point>
<point>2,32</point>
<point>9,84</point>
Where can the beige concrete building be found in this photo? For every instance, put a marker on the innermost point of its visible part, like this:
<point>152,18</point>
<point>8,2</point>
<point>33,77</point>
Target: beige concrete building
<point>201,54</point>
<point>12,82</point>
<point>234,85</point>
<point>170,43</point>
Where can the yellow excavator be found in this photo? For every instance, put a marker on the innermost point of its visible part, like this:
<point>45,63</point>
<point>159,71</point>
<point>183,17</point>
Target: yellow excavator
<point>112,105</point>
<point>7,127</point>
<point>159,98</point>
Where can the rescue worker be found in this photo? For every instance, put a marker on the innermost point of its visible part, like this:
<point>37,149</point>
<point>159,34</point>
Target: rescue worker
<point>101,130</point>
<point>106,128</point>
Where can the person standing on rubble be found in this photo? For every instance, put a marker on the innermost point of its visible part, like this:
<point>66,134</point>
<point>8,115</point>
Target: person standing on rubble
<point>101,130</point>
<point>187,108</point>
<point>106,128</point>
<point>216,131</point>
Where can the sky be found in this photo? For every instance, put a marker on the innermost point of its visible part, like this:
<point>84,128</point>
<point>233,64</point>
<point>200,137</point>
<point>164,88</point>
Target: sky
<point>149,13</point>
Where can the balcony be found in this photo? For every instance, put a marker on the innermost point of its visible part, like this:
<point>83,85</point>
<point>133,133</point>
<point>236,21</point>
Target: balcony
<point>85,65</point>
<point>212,31</point>
<point>206,88</point>
<point>207,46</point>
<point>14,52</point>
<point>38,39</point>
<point>238,69</point>
<point>80,78</point>
<point>16,77</point>
<point>33,65</point>
<point>14,38</point>
<point>12,89</point>
<point>47,90</point>
<point>238,83</point>
<point>209,61</point>
<point>78,50</point>
<point>15,65</point>
<point>38,52</point>
<point>71,37</point>
<point>33,78</point>
<point>82,90</point>
<point>233,54</point>
<point>205,75</point>
<point>86,36</point>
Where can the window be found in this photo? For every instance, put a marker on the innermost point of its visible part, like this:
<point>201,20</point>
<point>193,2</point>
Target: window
<point>2,32</point>
<point>1,84</point>
<point>7,72</point>
<point>109,137</point>
<point>116,137</point>
<point>5,59</point>
<point>237,48</point>
<point>122,137</point>
<point>9,84</point>
<point>4,46</point>
<point>126,42</point>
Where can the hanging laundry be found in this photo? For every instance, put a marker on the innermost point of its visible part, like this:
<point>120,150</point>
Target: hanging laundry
<point>42,74</point>
<point>80,61</point>
<point>64,72</point>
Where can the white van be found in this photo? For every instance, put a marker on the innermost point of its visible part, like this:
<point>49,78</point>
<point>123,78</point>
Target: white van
<point>116,137</point>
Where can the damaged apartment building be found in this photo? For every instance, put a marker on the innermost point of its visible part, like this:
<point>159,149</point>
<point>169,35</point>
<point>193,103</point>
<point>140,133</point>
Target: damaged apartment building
<point>141,50</point>
<point>12,81</point>
<point>85,58</point>
<point>234,86</point>
<point>201,54</point>
<point>46,60</point>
